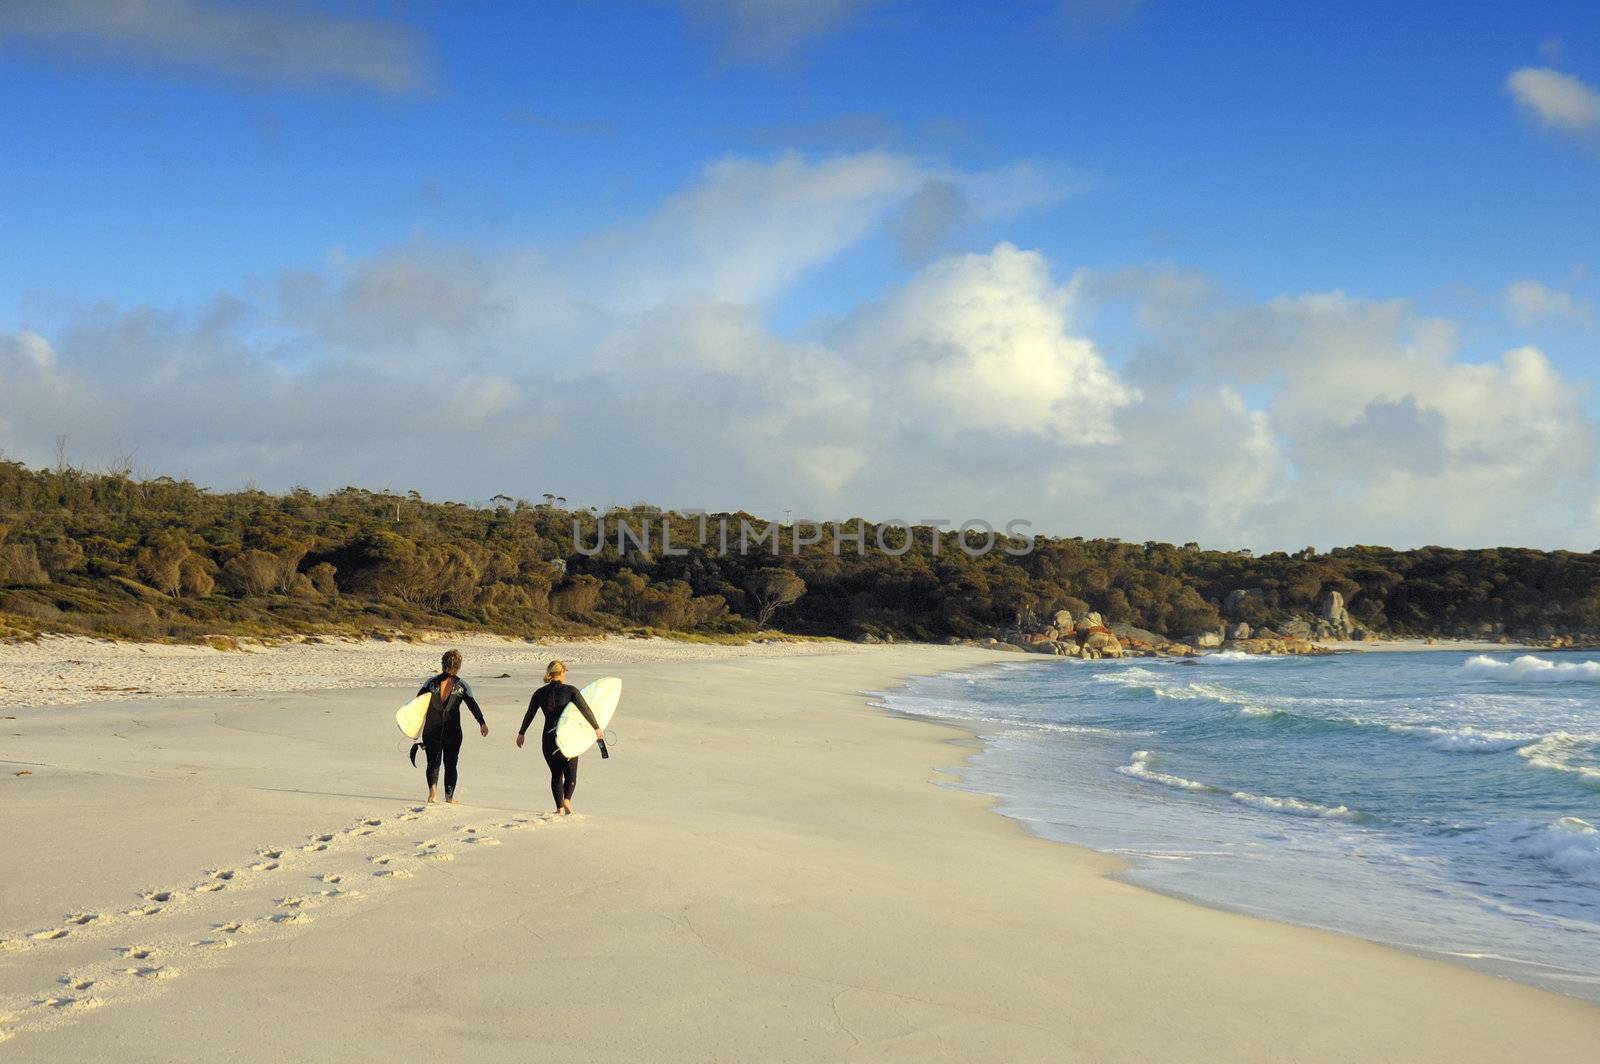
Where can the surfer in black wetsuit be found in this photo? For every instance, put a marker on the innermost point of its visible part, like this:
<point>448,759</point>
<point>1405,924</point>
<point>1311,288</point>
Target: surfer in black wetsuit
<point>441,729</point>
<point>551,699</point>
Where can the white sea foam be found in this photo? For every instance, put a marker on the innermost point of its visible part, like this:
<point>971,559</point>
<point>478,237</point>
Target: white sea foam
<point>1560,752</point>
<point>1569,845</point>
<point>1139,769</point>
<point>1530,669</point>
<point>1295,806</point>
<point>1466,739</point>
<point>1161,687</point>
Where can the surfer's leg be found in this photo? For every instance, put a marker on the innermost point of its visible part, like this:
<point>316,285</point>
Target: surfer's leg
<point>558,766</point>
<point>434,745</point>
<point>572,778</point>
<point>452,751</point>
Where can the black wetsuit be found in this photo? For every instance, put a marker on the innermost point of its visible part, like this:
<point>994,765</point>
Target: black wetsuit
<point>552,698</point>
<point>441,729</point>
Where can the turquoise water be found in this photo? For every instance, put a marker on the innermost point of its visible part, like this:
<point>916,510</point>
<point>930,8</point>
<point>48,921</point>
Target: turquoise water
<point>1443,802</point>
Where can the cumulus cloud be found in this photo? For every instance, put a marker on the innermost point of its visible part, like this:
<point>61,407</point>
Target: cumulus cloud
<point>275,42</point>
<point>1390,434</point>
<point>974,387</point>
<point>1557,101</point>
<point>982,342</point>
<point>1528,302</point>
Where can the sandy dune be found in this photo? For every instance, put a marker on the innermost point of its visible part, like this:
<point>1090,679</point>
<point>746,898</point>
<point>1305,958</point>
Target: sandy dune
<point>762,872</point>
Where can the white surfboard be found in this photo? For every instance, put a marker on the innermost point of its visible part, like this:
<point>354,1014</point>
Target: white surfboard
<point>410,717</point>
<point>573,734</point>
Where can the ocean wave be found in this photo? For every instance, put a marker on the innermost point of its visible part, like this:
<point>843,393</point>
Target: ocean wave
<point>1466,738</point>
<point>1139,768</point>
<point>1569,845</point>
<point>1559,752</point>
<point>1141,679</point>
<point>1295,806</point>
<point>1530,669</point>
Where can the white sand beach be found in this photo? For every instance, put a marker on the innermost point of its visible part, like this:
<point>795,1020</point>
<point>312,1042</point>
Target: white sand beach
<point>236,865</point>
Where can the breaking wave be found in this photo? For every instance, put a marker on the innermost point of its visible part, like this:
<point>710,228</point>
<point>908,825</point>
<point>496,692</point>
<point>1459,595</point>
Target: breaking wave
<point>1139,769</point>
<point>1531,669</point>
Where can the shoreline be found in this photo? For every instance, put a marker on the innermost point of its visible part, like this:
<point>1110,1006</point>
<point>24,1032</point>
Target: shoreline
<point>854,907</point>
<point>83,669</point>
<point>1125,868</point>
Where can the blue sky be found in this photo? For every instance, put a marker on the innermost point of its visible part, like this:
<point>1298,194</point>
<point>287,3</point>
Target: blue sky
<point>1260,152</point>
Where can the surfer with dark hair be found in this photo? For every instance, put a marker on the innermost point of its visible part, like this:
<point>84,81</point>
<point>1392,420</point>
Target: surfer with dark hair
<point>441,730</point>
<point>555,696</point>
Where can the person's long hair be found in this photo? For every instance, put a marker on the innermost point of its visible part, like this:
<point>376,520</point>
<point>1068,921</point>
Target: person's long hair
<point>554,669</point>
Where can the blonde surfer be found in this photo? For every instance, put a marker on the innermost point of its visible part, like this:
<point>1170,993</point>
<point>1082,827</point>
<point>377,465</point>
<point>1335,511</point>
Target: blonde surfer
<point>555,696</point>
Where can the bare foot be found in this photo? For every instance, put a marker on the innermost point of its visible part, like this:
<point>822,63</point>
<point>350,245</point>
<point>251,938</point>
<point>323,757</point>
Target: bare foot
<point>431,798</point>
<point>452,801</point>
<point>566,808</point>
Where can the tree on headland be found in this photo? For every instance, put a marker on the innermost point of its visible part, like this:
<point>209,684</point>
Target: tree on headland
<point>771,589</point>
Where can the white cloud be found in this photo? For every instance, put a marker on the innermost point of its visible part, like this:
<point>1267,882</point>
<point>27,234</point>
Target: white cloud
<point>745,229</point>
<point>27,348</point>
<point>972,388</point>
<point>982,342</point>
<point>1529,302</point>
<point>274,42</point>
<point>1559,101</point>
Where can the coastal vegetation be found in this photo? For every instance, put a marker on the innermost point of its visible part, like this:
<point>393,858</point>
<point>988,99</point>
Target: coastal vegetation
<point>111,554</point>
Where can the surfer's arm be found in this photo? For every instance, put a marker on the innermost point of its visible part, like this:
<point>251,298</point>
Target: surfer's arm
<point>472,703</point>
<point>583,707</point>
<point>527,718</point>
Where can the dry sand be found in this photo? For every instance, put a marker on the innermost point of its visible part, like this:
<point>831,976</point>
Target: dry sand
<point>761,872</point>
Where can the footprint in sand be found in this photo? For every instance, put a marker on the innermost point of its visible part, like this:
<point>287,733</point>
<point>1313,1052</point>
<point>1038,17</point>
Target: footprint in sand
<point>152,971</point>
<point>136,953</point>
<point>265,866</point>
<point>74,1003</point>
<point>484,840</point>
<point>392,873</point>
<point>305,901</point>
<point>292,918</point>
<point>234,927</point>
<point>271,855</point>
<point>143,910</point>
<point>80,919</point>
<point>224,874</point>
<point>211,887</point>
<point>314,847</point>
<point>331,877</point>
<point>212,943</point>
<point>72,983</point>
<point>50,934</point>
<point>162,896</point>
